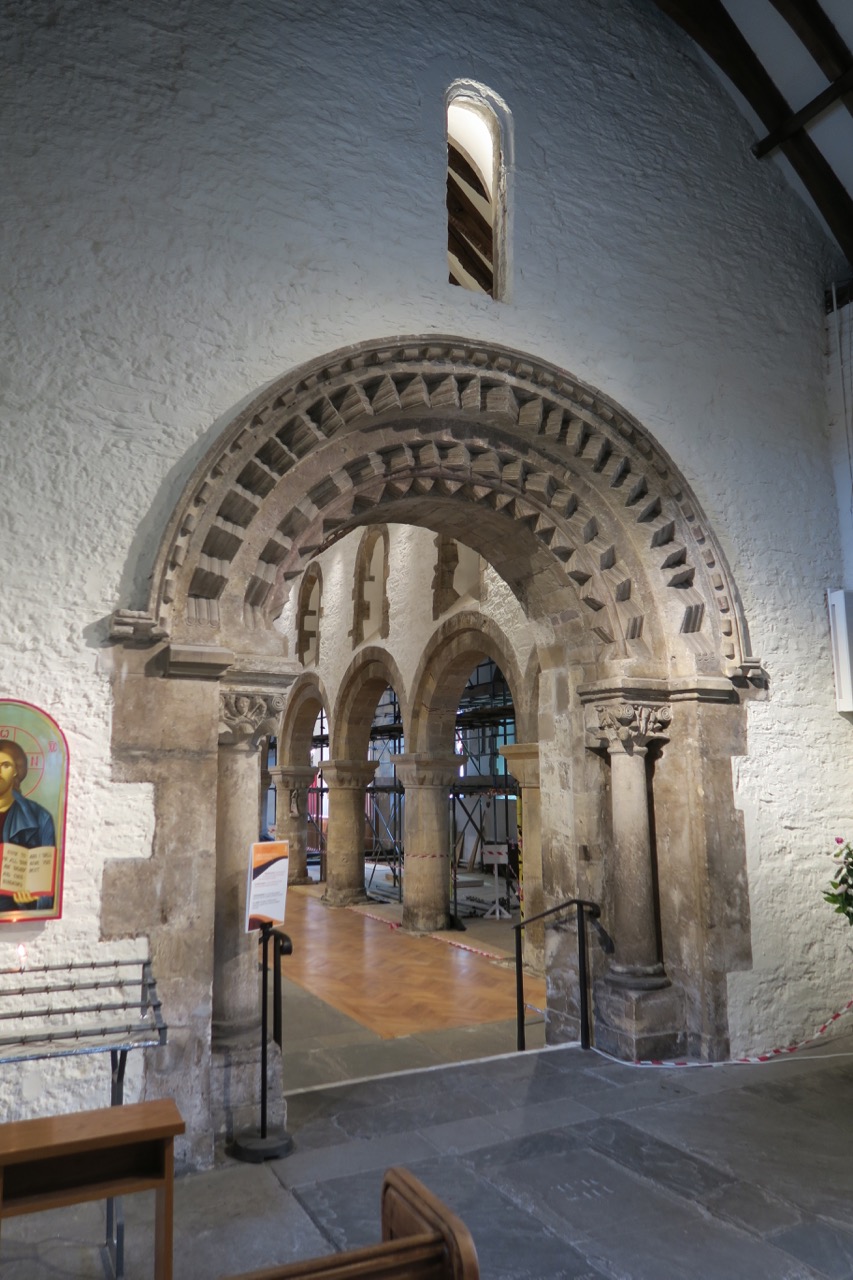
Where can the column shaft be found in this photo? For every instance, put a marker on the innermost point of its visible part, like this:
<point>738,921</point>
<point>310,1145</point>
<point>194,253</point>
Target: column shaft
<point>291,816</point>
<point>346,781</point>
<point>426,868</point>
<point>634,906</point>
<point>235,974</point>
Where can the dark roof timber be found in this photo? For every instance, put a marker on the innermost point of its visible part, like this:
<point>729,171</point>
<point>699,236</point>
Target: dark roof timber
<point>709,24</point>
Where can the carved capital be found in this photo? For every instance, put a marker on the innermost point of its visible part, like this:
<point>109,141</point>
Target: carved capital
<point>631,724</point>
<point>291,785</point>
<point>348,775</point>
<point>523,762</point>
<point>417,770</point>
<point>246,715</point>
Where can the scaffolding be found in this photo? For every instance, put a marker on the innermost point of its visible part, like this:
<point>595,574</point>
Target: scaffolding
<point>483,800</point>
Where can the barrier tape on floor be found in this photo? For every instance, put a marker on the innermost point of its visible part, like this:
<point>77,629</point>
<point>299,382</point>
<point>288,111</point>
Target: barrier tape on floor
<point>368,915</point>
<point>772,1055</point>
<point>450,942</point>
<point>465,946</point>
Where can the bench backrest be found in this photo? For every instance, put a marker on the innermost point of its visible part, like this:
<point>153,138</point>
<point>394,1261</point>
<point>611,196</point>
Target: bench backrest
<point>421,1240</point>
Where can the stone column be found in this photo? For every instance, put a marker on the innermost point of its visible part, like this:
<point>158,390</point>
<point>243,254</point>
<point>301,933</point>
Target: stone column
<point>523,762</point>
<point>236,994</point>
<point>426,867</point>
<point>637,1013</point>
<point>291,815</point>
<point>627,729</point>
<point>346,781</point>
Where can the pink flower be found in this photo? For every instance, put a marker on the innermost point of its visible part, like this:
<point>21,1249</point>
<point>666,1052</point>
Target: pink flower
<point>839,840</point>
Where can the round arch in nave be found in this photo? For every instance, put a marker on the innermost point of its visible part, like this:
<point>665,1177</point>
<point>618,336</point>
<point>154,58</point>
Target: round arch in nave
<point>569,498</point>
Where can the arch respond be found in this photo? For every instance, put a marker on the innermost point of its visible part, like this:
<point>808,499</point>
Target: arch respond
<point>576,506</point>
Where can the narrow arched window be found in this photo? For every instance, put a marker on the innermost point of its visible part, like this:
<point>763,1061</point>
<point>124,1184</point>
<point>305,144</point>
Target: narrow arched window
<point>475,189</point>
<point>370,596</point>
<point>308,614</point>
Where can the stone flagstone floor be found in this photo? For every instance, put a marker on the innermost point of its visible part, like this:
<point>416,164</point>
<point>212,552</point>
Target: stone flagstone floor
<point>565,1165</point>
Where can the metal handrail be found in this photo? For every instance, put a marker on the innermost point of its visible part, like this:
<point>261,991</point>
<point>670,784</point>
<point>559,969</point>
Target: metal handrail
<point>586,910</point>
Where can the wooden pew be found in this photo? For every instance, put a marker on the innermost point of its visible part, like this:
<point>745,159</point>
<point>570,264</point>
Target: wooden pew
<point>421,1240</point>
<point>93,1155</point>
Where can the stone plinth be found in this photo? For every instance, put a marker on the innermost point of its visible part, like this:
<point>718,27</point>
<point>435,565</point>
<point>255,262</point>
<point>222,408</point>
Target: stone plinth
<point>632,1024</point>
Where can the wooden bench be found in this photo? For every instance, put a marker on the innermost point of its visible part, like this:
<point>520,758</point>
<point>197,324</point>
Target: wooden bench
<point>421,1240</point>
<point>93,1155</point>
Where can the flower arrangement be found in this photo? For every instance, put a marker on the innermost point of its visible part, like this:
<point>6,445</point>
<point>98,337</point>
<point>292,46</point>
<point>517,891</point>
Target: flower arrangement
<point>840,892</point>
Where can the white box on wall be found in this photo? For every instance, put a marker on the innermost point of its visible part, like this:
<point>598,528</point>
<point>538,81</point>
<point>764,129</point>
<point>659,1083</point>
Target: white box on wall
<point>841,629</point>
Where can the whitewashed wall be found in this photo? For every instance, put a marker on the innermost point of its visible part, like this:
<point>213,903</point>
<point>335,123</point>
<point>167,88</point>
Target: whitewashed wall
<point>204,196</point>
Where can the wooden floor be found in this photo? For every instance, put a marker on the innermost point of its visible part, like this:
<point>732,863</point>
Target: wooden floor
<point>395,983</point>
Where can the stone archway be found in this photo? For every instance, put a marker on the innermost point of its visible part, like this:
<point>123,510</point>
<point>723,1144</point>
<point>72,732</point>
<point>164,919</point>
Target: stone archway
<point>638,628</point>
<point>349,771</point>
<point>580,510</point>
<point>294,773</point>
<point>445,666</point>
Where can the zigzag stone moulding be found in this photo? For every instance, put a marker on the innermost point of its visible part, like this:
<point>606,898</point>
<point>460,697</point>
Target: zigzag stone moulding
<point>411,429</point>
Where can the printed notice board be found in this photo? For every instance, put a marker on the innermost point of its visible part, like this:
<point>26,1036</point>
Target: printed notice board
<point>267,889</point>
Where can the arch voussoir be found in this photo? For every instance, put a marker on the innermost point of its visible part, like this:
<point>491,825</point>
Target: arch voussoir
<point>395,427</point>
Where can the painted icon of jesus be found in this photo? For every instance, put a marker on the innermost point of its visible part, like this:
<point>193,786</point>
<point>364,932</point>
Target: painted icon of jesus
<point>24,824</point>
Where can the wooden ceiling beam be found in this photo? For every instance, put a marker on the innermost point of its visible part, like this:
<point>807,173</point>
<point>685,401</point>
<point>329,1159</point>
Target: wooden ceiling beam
<point>465,213</point>
<point>470,261</point>
<point>843,85</point>
<point>457,164</point>
<point>809,22</point>
<point>709,24</point>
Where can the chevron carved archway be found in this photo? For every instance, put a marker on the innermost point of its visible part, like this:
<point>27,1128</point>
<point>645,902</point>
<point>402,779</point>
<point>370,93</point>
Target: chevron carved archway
<point>570,499</point>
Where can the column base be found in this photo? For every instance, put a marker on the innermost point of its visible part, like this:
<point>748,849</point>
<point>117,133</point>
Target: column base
<point>306,879</point>
<point>637,1024</point>
<point>638,977</point>
<point>343,897</point>
<point>235,1087</point>
<point>424,920</point>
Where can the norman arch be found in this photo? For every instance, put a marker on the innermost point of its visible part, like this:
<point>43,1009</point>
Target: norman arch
<point>577,507</point>
<point>305,700</point>
<point>455,647</point>
<point>365,680</point>
<point>640,646</point>
<point>294,771</point>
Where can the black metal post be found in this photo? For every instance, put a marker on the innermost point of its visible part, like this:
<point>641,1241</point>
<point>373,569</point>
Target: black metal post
<point>582,977</point>
<point>519,992</point>
<point>283,946</point>
<point>256,1149</point>
<point>266,930</point>
<point>585,911</point>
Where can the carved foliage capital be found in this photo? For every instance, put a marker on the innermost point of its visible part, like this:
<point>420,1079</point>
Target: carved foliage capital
<point>245,715</point>
<point>632,723</point>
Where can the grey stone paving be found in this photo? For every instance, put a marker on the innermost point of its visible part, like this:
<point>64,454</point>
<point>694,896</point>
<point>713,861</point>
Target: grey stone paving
<point>564,1164</point>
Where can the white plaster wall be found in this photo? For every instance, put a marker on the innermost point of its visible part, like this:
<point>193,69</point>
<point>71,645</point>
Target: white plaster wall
<point>204,196</point>
<point>839,374</point>
<point>411,568</point>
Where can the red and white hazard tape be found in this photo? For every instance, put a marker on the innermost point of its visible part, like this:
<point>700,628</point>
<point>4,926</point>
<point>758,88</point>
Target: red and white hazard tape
<point>464,946</point>
<point>772,1055</point>
<point>369,915</point>
<point>450,942</point>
